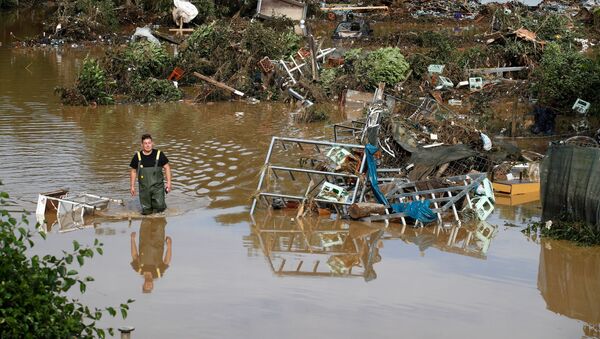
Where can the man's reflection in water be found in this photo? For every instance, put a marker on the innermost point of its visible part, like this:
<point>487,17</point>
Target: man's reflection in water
<point>150,261</point>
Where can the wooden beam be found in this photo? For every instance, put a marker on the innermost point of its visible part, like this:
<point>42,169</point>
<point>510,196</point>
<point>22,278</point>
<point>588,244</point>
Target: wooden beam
<point>351,8</point>
<point>218,84</point>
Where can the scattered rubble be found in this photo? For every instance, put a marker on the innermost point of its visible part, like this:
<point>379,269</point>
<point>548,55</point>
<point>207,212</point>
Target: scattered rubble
<point>495,62</point>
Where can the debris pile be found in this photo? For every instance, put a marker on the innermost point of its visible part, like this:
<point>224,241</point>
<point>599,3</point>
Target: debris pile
<point>444,9</point>
<point>393,167</point>
<point>134,73</point>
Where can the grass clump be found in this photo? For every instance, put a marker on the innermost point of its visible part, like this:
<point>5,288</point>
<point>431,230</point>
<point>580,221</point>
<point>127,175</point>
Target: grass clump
<point>565,228</point>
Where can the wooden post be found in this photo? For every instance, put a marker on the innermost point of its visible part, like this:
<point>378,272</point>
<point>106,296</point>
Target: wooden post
<point>218,84</point>
<point>313,54</point>
<point>513,127</point>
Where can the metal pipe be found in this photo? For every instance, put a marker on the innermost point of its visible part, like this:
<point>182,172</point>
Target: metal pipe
<point>126,331</point>
<point>304,170</point>
<point>262,176</point>
<point>323,143</point>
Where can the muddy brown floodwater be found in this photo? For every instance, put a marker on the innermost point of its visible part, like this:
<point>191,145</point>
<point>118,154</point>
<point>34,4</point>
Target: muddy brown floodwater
<point>231,276</point>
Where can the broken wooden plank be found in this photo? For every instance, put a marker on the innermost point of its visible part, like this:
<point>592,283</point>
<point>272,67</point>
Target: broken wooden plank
<point>218,84</point>
<point>353,8</point>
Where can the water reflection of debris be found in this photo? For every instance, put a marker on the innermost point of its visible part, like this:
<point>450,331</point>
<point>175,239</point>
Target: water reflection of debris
<point>318,247</point>
<point>472,239</point>
<point>568,279</point>
<point>342,248</point>
<point>69,211</point>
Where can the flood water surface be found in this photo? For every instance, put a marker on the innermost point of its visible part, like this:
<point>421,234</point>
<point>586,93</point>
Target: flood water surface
<point>217,273</point>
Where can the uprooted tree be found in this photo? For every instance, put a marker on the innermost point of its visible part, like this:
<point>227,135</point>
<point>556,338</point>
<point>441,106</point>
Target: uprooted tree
<point>34,289</point>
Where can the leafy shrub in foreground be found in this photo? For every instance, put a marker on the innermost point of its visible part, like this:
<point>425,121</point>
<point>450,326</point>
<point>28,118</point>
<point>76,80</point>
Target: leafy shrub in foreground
<point>33,300</point>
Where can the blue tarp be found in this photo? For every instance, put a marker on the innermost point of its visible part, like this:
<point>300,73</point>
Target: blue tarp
<point>418,210</point>
<point>372,173</point>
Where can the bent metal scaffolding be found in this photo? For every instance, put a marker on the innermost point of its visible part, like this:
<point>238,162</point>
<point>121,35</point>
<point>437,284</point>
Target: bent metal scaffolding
<point>305,178</point>
<point>446,194</point>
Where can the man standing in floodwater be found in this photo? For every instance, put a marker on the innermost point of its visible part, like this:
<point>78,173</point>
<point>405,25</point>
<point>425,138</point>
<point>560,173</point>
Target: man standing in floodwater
<point>147,165</point>
<point>152,260</point>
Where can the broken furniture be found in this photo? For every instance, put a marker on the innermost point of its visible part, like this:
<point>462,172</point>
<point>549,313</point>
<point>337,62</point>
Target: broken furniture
<point>294,10</point>
<point>294,66</point>
<point>475,84</point>
<point>70,209</point>
<point>475,189</point>
<point>435,69</point>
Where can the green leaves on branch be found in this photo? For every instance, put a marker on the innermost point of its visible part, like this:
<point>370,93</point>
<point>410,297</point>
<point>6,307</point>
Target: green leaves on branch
<point>383,65</point>
<point>33,289</point>
<point>565,75</point>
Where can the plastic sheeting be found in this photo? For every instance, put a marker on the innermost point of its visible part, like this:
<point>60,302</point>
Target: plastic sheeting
<point>372,173</point>
<point>426,160</point>
<point>418,210</point>
<point>570,183</point>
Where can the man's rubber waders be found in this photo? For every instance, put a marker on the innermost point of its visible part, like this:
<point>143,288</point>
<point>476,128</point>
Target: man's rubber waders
<point>152,187</point>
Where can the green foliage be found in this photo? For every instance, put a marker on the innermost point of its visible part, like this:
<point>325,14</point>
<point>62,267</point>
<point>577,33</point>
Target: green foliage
<point>229,51</point>
<point>145,59</point>
<point>92,83</point>
<point>565,228</point>
<point>33,289</point>
<point>204,39</point>
<point>550,26</point>
<point>102,12</point>
<point>83,20</point>
<point>261,40</point>
<point>140,71</point>
<point>383,65</point>
<point>228,8</point>
<point>206,10</point>
<point>440,44</point>
<point>328,79</point>
<point>565,75</point>
<point>153,90</point>
<point>352,55</point>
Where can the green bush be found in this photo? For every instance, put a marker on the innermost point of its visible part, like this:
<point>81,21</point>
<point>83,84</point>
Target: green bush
<point>92,83</point>
<point>383,65</point>
<point>146,59</point>
<point>153,90</point>
<point>33,289</point>
<point>565,75</point>
<point>261,40</point>
<point>328,79</point>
